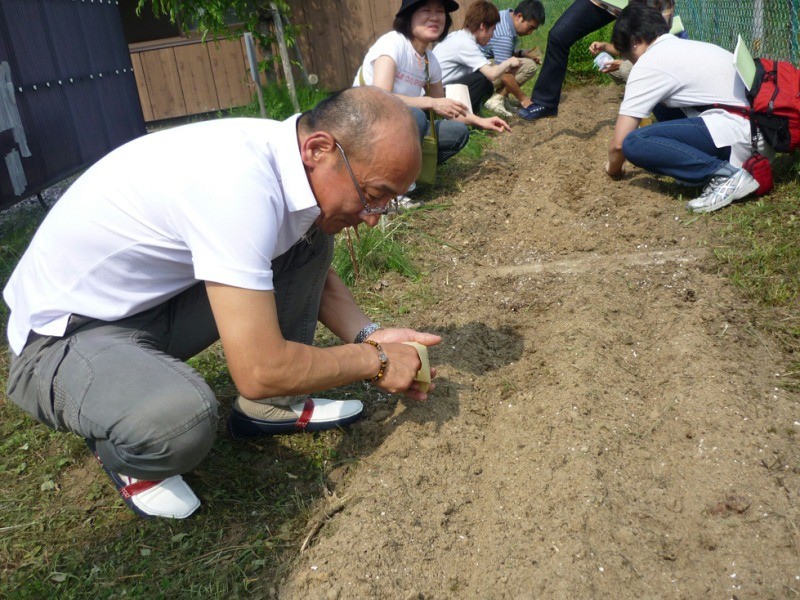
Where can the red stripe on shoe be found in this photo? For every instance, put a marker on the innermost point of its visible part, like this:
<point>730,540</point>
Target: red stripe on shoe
<point>137,488</point>
<point>305,416</point>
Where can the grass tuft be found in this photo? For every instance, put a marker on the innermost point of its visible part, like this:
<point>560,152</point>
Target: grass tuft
<point>758,250</point>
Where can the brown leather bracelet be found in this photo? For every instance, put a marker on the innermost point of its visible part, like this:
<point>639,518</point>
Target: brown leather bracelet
<point>382,356</point>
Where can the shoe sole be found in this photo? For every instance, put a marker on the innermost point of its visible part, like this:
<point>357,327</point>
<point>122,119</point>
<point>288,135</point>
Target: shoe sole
<point>537,118</point>
<point>737,195</point>
<point>242,427</point>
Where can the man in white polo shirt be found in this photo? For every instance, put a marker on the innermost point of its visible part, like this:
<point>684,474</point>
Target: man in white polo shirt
<point>215,230</point>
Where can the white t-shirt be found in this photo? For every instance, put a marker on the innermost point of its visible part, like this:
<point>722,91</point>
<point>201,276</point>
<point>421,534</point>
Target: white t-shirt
<point>687,74</point>
<point>459,55</point>
<point>213,201</point>
<point>409,75</point>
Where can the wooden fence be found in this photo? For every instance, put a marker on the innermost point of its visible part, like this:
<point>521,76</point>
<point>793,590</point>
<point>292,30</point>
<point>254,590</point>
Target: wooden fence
<point>179,76</point>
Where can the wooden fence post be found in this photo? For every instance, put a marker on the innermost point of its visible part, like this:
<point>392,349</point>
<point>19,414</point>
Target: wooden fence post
<point>287,66</point>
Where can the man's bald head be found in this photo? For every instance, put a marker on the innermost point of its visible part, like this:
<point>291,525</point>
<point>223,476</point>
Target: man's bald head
<point>361,119</point>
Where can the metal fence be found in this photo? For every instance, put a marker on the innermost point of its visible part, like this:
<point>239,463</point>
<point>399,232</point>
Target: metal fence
<point>771,28</point>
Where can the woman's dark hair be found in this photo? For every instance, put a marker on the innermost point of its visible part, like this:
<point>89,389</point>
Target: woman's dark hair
<point>637,23</point>
<point>402,23</point>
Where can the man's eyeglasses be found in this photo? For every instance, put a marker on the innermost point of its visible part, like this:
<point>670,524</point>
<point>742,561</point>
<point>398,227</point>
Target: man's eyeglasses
<point>367,210</point>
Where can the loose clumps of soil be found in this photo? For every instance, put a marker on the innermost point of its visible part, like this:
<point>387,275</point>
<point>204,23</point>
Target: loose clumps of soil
<point>607,422</point>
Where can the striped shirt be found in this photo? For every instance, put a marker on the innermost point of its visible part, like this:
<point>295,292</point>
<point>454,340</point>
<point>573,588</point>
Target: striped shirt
<point>504,40</point>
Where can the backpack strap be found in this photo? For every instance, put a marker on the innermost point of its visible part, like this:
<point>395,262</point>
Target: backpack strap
<point>743,111</point>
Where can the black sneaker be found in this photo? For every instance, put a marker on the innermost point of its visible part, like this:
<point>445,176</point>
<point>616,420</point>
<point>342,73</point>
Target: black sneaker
<point>537,111</point>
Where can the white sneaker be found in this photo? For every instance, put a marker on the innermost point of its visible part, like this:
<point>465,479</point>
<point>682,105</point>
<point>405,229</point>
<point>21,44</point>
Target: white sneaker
<point>498,107</point>
<point>171,497</point>
<point>722,190</point>
<point>257,418</point>
<point>403,202</point>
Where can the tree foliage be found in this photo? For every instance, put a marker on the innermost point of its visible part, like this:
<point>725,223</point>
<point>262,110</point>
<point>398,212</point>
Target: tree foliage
<point>223,18</point>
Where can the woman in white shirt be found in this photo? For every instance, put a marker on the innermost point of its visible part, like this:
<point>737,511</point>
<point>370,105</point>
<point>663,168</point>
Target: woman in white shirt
<point>401,63</point>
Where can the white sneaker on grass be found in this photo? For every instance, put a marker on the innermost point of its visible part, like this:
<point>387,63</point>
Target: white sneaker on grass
<point>497,105</point>
<point>170,498</point>
<point>403,203</point>
<point>722,190</point>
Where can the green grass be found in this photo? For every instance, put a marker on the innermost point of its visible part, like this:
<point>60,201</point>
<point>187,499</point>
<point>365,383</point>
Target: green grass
<point>278,102</point>
<point>757,247</point>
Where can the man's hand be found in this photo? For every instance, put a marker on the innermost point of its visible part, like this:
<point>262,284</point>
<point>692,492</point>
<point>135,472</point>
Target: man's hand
<point>611,66</point>
<point>534,54</point>
<point>596,48</point>
<point>403,361</point>
<point>614,174</point>
<point>397,335</point>
<point>625,125</point>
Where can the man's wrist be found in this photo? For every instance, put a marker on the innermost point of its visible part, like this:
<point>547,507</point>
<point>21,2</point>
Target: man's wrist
<point>365,332</point>
<point>382,358</point>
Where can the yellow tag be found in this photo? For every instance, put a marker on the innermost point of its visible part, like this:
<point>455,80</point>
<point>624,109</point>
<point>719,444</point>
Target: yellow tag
<point>424,374</point>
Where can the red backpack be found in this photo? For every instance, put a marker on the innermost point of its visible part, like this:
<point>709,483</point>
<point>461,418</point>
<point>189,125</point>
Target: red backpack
<point>775,101</point>
<point>774,110</point>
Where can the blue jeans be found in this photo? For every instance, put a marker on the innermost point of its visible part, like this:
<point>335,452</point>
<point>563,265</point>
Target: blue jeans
<point>679,148</point>
<point>453,135</point>
<point>125,383</point>
<point>579,20</point>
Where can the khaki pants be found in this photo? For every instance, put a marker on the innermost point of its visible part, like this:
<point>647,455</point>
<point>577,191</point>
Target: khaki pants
<point>620,76</point>
<point>522,75</point>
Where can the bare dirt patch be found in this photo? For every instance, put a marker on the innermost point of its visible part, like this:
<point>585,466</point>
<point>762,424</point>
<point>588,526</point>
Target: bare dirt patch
<point>607,423</point>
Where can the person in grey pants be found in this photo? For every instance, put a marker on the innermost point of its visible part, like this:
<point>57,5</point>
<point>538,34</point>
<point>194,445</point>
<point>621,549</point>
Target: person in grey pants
<point>219,230</point>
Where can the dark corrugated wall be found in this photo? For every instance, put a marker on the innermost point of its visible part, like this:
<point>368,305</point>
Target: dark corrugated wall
<point>67,91</point>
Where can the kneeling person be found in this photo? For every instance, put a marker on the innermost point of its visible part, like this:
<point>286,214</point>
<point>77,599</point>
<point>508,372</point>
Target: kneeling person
<point>526,18</point>
<point>221,230</point>
<point>677,80</point>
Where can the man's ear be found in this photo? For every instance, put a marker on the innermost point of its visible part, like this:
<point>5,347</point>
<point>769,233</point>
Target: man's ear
<point>316,146</point>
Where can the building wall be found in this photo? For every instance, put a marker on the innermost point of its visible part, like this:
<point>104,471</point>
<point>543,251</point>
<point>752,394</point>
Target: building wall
<point>67,92</point>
